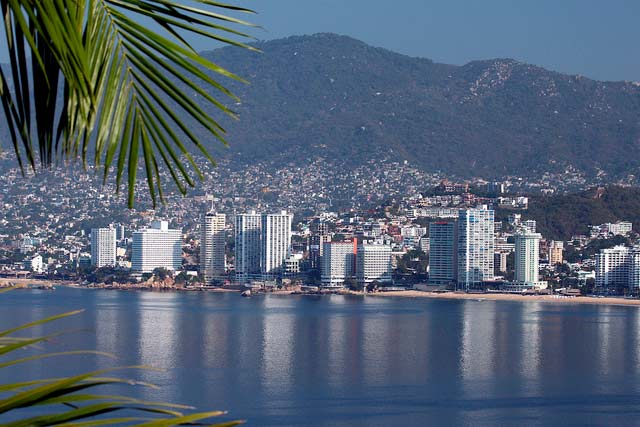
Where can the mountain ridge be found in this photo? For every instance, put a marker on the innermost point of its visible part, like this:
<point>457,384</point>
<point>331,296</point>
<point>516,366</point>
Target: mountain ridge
<point>336,97</point>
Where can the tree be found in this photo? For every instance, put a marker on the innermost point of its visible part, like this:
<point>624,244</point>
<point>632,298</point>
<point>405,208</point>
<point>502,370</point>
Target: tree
<point>87,80</point>
<point>162,273</point>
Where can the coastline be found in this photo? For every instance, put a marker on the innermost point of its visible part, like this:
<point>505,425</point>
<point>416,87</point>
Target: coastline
<point>554,299</point>
<point>512,297</point>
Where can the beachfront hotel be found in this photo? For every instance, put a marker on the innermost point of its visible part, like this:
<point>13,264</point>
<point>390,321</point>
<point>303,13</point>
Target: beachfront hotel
<point>475,246</point>
<point>156,247</point>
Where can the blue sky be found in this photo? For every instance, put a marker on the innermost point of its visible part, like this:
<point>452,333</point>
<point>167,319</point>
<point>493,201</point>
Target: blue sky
<point>596,38</point>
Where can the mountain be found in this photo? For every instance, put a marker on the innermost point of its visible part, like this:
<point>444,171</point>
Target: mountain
<point>338,98</point>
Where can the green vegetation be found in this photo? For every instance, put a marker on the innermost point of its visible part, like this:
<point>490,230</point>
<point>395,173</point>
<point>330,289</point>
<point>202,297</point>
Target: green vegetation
<point>573,255</point>
<point>346,100</point>
<point>412,267</point>
<point>70,401</point>
<point>562,216</point>
<point>83,81</point>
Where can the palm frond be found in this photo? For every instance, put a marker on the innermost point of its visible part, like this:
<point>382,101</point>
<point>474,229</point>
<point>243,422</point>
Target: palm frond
<point>65,401</point>
<point>98,61</point>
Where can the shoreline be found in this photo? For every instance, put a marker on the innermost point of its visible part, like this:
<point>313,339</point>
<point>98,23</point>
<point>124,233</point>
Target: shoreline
<point>619,301</point>
<point>512,297</point>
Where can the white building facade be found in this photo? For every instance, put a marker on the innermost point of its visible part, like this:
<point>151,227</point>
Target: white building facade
<point>373,264</point>
<point>618,267</point>
<point>103,247</point>
<point>475,246</point>
<point>527,257</point>
<point>156,247</point>
<point>338,263</point>
<point>248,246</point>
<point>212,246</point>
<point>276,244</point>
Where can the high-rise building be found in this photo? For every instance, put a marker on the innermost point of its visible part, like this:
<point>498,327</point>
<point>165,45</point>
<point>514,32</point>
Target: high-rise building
<point>373,264</point>
<point>248,246</point>
<point>212,246</point>
<point>527,257</point>
<point>612,267</point>
<point>103,247</point>
<point>443,252</point>
<point>276,243</point>
<point>555,252</point>
<point>156,247</point>
<point>319,236</point>
<point>475,246</point>
<point>119,232</point>
<point>500,261</point>
<point>634,270</point>
<point>338,263</point>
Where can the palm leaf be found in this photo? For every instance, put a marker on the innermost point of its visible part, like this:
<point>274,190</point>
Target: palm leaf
<point>69,393</point>
<point>115,104</point>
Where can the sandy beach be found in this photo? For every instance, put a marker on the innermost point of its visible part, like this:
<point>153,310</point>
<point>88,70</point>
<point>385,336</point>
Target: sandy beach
<point>554,299</point>
<point>512,297</point>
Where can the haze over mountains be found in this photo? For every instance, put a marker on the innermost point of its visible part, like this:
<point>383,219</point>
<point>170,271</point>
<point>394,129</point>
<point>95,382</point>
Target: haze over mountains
<point>338,98</point>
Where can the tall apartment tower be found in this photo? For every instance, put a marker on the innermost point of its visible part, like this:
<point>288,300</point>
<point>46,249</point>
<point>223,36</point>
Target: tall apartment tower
<point>476,243</point>
<point>276,243</point>
<point>527,257</point>
<point>156,247</point>
<point>443,255</point>
<point>103,247</point>
<point>555,252</point>
<point>319,236</point>
<point>248,246</point>
<point>212,246</point>
<point>338,263</point>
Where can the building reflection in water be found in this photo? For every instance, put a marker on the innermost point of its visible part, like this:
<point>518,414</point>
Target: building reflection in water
<point>277,344</point>
<point>377,359</point>
<point>478,342</point>
<point>531,337</point>
<point>157,342</point>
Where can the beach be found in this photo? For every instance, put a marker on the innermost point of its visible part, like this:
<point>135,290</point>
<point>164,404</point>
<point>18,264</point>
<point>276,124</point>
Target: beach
<point>512,297</point>
<point>555,299</point>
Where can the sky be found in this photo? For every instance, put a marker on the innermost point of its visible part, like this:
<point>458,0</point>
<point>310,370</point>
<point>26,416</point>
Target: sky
<point>595,38</point>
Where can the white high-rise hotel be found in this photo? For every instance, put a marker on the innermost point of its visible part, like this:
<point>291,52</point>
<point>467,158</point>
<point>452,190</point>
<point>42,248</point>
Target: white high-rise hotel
<point>103,247</point>
<point>338,263</point>
<point>276,243</point>
<point>212,246</point>
<point>527,257</point>
<point>156,247</point>
<point>248,248</point>
<point>373,264</point>
<point>618,267</point>
<point>476,243</point>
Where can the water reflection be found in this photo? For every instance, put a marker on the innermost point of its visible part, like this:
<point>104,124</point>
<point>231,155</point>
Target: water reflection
<point>277,345</point>
<point>531,338</point>
<point>478,345</point>
<point>354,361</point>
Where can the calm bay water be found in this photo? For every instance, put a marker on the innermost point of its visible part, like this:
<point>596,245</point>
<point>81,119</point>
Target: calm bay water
<point>350,361</point>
